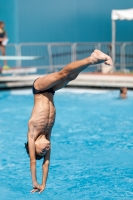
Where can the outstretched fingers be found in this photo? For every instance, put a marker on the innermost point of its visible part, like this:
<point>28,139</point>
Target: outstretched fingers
<point>34,190</point>
<point>41,191</point>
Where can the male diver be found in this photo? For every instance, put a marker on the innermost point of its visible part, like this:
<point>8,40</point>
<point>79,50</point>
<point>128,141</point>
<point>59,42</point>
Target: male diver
<point>43,113</point>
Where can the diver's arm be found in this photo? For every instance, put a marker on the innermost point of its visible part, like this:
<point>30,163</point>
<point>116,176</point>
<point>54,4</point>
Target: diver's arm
<point>31,144</point>
<point>45,169</point>
<point>45,165</point>
<point>36,186</point>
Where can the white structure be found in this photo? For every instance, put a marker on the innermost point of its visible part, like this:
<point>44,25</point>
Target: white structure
<point>20,57</point>
<point>119,15</point>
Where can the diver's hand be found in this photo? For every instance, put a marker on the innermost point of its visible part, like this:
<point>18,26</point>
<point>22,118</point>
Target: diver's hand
<point>98,57</point>
<point>42,188</point>
<point>38,188</point>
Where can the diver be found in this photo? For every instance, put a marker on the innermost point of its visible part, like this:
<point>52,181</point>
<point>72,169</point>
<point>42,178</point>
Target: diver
<point>43,114</point>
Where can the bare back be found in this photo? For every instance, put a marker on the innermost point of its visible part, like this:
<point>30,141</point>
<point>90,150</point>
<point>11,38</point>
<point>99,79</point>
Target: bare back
<point>43,114</point>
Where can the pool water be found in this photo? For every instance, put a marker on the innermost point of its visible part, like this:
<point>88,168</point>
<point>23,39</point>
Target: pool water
<point>92,146</point>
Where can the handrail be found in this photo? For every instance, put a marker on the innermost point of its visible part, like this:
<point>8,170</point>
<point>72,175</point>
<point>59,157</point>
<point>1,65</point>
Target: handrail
<point>61,53</point>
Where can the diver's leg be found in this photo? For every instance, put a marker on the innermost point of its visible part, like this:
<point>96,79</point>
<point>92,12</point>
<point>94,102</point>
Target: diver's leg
<point>71,77</point>
<point>3,53</point>
<point>51,80</point>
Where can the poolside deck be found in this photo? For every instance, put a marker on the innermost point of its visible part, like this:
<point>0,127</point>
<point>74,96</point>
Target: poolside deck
<point>88,80</point>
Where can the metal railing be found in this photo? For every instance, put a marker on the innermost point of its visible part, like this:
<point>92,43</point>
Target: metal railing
<point>57,55</point>
<point>12,50</point>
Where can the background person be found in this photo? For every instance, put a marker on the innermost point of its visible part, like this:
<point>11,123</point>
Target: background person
<point>123,93</point>
<point>3,41</point>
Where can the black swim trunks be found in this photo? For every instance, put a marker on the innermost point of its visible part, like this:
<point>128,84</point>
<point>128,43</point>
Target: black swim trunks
<point>35,91</point>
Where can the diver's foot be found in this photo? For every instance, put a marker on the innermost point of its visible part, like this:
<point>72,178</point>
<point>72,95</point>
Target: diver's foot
<point>98,57</point>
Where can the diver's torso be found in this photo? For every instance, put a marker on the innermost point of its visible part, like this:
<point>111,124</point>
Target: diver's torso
<point>43,114</point>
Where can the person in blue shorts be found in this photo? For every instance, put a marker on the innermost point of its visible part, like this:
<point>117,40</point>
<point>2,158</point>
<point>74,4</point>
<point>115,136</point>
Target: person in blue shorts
<point>43,114</point>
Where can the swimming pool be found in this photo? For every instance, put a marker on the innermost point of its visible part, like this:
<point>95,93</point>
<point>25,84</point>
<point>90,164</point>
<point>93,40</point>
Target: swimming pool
<point>92,146</point>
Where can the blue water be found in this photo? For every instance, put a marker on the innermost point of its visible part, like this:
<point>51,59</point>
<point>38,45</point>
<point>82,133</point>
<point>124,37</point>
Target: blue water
<point>92,147</point>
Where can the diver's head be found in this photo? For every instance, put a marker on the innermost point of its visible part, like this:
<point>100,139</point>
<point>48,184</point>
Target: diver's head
<point>42,145</point>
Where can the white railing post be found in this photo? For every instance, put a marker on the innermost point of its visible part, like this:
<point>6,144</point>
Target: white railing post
<point>73,54</point>
<point>19,62</point>
<point>113,42</point>
<point>122,60</point>
<point>99,46</point>
<point>99,67</point>
<point>50,58</point>
<point>16,53</point>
